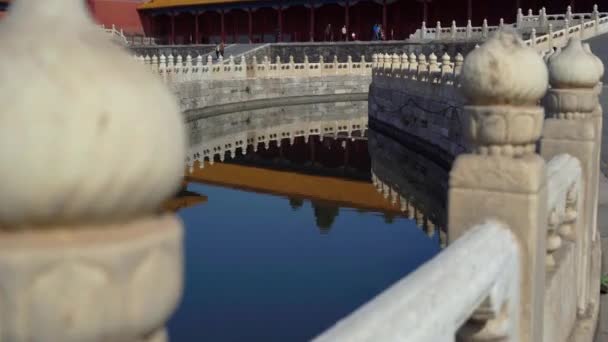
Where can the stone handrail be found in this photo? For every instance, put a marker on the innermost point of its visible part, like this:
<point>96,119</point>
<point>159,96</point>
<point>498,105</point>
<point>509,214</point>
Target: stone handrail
<point>178,69</point>
<point>412,310</point>
<point>454,32</point>
<point>549,201</point>
<point>557,39</point>
<point>418,67</point>
<point>117,35</point>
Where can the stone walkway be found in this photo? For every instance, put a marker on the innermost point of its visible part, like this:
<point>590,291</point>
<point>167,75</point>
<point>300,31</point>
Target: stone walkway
<point>602,213</point>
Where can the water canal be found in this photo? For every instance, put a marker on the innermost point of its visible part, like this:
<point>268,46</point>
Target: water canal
<point>288,234</point>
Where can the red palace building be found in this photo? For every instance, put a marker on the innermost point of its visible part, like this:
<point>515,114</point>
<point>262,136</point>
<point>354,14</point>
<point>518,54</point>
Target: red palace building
<point>121,13</point>
<point>256,21</point>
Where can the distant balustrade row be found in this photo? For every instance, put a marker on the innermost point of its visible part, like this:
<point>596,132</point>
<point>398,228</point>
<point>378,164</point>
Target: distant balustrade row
<point>179,69</point>
<point>529,24</point>
<point>237,143</point>
<point>527,186</point>
<point>417,67</point>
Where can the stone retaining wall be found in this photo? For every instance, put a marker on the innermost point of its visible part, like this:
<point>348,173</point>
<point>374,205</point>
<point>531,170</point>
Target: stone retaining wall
<point>194,96</point>
<point>431,112</point>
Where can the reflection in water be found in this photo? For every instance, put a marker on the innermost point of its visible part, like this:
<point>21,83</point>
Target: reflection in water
<point>325,215</point>
<point>183,199</point>
<point>294,235</point>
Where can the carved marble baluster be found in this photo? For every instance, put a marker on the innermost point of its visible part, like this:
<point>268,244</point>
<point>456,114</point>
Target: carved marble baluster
<point>574,126</point>
<point>554,241</point>
<point>504,125</point>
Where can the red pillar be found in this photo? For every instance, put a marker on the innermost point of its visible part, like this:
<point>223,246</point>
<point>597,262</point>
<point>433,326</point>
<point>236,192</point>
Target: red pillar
<point>223,35</point>
<point>196,34</point>
<point>280,36</point>
<point>312,22</point>
<point>384,26</point>
<point>172,16</point>
<point>346,6</point>
<point>250,17</point>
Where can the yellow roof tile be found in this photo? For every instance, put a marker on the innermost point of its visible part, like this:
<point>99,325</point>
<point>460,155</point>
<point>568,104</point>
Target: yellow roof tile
<point>157,4</point>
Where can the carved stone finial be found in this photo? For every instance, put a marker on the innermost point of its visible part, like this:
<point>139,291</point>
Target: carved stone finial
<point>573,67</point>
<point>504,71</point>
<point>81,234</point>
<point>600,64</point>
<point>445,59</point>
<point>503,81</point>
<point>81,134</point>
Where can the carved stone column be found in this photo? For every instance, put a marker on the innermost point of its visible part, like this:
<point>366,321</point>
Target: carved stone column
<point>574,126</point>
<point>504,178</point>
<point>91,143</point>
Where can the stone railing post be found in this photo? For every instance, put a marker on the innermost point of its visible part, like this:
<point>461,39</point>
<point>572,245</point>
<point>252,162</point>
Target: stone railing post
<point>533,37</point>
<point>423,70</point>
<point>188,67</point>
<point>484,28</point>
<point>458,62</point>
<point>569,13</point>
<point>162,67</point>
<point>503,177</point>
<point>550,33</point>
<point>423,30</point>
<point>542,17</point>
<point>520,18</point>
<point>413,66</point>
<point>574,126</point>
<point>405,66</point>
<point>469,30</point>
<point>438,31</point>
<point>155,64</point>
<point>85,254</point>
<point>596,18</point>
<point>453,30</point>
<point>395,64</point>
<point>434,69</point>
<point>446,68</point>
<point>178,68</point>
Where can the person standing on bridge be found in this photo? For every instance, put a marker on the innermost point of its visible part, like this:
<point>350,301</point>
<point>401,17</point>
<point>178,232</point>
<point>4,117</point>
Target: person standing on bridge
<point>328,33</point>
<point>222,49</point>
<point>344,33</point>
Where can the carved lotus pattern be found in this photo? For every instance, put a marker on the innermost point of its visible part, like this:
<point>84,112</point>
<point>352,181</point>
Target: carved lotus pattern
<point>503,125</point>
<point>563,101</point>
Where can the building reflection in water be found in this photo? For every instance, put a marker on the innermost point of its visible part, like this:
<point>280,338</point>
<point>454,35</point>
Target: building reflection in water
<point>323,226</point>
<point>294,158</point>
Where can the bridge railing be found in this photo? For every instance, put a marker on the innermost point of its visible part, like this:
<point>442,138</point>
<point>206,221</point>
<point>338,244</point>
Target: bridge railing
<point>546,196</point>
<point>178,69</point>
<point>117,35</point>
<point>558,39</point>
<point>412,310</point>
<point>525,24</point>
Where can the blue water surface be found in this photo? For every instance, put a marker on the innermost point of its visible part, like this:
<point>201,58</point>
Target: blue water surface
<point>258,269</point>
